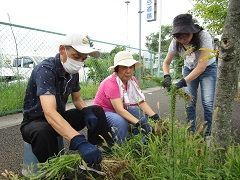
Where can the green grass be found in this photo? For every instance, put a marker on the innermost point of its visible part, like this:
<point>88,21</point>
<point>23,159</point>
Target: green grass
<point>144,84</point>
<point>88,91</point>
<point>187,158</point>
<point>12,95</point>
<point>172,152</point>
<point>11,98</point>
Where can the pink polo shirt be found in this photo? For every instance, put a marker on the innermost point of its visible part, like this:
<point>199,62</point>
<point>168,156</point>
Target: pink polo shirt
<point>107,90</point>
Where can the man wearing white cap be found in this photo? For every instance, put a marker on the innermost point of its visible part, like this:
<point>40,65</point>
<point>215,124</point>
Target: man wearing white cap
<point>44,115</point>
<point>123,100</point>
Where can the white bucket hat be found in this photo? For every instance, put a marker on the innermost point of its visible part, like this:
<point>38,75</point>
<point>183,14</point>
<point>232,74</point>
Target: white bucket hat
<point>81,44</point>
<point>124,58</point>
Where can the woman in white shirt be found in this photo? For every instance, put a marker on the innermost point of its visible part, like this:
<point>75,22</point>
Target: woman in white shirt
<point>199,66</point>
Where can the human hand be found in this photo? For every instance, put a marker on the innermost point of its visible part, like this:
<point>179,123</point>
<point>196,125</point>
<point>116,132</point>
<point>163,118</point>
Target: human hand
<point>155,117</point>
<point>181,83</point>
<point>90,119</point>
<point>167,81</point>
<point>145,128</point>
<point>90,153</point>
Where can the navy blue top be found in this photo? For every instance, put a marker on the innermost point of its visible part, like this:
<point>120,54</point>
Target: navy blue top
<point>49,77</point>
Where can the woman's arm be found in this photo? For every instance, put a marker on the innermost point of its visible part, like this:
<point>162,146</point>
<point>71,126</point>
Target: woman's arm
<point>166,63</point>
<point>200,68</point>
<point>146,108</point>
<point>118,106</point>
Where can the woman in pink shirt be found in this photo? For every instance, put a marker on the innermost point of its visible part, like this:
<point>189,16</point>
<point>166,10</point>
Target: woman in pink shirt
<point>122,99</point>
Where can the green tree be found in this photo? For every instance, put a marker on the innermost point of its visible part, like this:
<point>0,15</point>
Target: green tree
<point>152,45</point>
<point>98,70</point>
<point>152,41</point>
<point>213,13</point>
<point>116,50</point>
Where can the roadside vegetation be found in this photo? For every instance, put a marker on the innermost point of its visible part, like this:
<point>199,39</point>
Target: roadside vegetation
<point>167,155</point>
<point>170,152</point>
<point>12,94</point>
<point>11,97</point>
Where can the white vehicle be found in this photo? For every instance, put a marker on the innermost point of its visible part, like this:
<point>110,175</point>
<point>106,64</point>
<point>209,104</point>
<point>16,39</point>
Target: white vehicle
<point>22,67</point>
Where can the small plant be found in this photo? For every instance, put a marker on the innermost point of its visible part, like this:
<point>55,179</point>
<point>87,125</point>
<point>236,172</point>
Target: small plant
<point>11,96</point>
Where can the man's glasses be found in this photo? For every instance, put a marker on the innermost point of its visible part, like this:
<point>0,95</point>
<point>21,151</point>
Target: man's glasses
<point>83,57</point>
<point>77,55</point>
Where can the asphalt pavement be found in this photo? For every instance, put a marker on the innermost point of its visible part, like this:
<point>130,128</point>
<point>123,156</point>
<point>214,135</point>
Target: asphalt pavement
<point>11,143</point>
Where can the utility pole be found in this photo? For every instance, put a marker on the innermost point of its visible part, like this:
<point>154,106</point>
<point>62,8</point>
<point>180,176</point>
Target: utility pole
<point>127,43</point>
<point>140,29</point>
<point>140,36</point>
<point>159,37</point>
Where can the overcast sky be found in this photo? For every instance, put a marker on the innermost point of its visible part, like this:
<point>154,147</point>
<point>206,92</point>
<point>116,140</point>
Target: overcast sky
<point>104,20</point>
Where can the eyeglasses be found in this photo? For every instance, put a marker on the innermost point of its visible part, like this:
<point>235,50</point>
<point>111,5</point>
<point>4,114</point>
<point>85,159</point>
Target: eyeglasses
<point>77,55</point>
<point>179,36</point>
<point>82,57</point>
<point>127,67</point>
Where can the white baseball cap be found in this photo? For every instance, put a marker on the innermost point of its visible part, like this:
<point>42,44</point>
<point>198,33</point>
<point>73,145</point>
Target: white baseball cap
<point>81,44</point>
<point>124,58</point>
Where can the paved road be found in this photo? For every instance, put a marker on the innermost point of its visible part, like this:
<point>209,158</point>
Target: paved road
<point>11,144</point>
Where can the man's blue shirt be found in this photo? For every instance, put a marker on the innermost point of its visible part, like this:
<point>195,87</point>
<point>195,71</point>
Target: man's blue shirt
<point>49,77</point>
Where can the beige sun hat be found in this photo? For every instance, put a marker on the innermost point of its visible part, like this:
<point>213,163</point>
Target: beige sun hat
<point>124,58</point>
<point>81,44</point>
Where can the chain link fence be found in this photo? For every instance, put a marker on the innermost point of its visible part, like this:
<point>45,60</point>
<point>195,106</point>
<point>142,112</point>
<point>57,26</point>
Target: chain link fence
<point>22,48</point>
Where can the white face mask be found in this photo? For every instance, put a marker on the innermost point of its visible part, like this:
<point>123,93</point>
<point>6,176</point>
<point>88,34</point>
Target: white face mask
<point>72,66</point>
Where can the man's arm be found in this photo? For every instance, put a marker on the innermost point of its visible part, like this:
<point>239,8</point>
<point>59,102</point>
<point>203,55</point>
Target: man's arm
<point>77,100</point>
<point>59,124</point>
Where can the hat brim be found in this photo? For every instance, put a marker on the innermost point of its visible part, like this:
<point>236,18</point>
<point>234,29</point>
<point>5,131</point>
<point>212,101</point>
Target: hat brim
<point>87,50</point>
<point>185,29</point>
<point>126,62</point>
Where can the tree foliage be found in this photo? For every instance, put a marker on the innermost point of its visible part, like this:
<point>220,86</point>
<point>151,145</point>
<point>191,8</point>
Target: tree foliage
<point>98,70</point>
<point>213,13</point>
<point>152,41</point>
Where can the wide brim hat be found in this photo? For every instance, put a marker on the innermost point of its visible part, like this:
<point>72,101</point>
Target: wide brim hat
<point>81,44</point>
<point>183,23</point>
<point>124,58</point>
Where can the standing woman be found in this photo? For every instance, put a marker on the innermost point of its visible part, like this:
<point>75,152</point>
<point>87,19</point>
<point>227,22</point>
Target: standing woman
<point>199,69</point>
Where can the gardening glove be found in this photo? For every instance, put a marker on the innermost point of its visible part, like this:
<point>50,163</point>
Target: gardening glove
<point>181,83</point>
<point>145,128</point>
<point>155,117</point>
<point>167,81</point>
<point>90,119</point>
<point>90,153</point>
<point>135,130</point>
